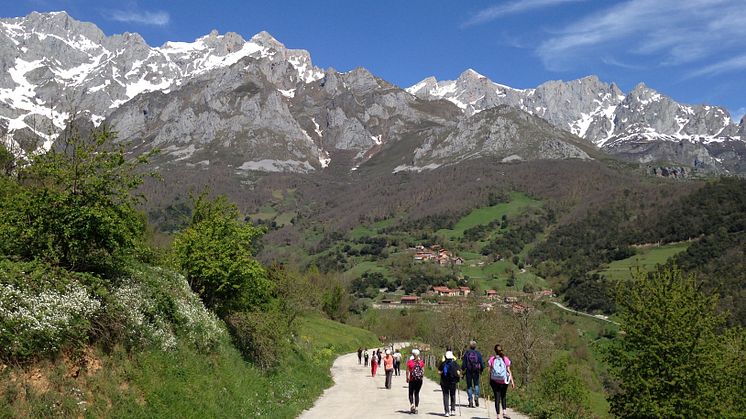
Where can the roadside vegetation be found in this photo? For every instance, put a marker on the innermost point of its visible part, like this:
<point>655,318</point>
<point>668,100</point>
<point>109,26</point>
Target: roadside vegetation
<point>96,321</point>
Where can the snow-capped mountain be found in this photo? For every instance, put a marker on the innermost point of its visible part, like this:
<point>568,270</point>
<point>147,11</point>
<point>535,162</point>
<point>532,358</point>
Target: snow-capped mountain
<point>247,106</point>
<point>622,124</point>
<point>54,65</point>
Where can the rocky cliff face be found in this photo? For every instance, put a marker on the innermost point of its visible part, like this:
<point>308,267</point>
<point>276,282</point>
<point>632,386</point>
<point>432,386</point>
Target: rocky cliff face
<point>642,125</point>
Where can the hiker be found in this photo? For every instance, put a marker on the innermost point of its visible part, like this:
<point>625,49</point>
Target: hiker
<point>378,354</point>
<point>415,373</point>
<point>359,356</point>
<point>373,365</point>
<point>388,367</point>
<point>365,356</point>
<point>500,377</point>
<point>450,374</point>
<point>397,363</point>
<point>472,364</point>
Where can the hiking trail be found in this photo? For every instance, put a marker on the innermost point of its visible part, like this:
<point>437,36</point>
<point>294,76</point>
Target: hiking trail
<point>357,395</point>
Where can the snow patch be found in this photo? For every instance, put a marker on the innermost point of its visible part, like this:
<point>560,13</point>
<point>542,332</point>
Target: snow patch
<point>268,165</point>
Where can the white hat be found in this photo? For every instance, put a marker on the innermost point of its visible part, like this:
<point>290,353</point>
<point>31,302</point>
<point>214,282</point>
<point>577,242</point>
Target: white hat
<point>388,352</point>
<point>415,351</point>
<point>449,355</point>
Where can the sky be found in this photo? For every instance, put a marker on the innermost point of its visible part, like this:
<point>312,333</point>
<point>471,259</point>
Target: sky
<point>691,50</point>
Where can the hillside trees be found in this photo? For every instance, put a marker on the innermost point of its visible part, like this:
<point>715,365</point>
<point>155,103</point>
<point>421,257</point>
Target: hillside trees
<point>73,206</point>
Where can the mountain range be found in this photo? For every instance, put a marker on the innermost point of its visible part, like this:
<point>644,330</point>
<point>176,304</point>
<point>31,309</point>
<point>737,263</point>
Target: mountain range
<point>255,106</point>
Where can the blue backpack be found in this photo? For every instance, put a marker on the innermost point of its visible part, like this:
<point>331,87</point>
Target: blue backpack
<point>499,372</point>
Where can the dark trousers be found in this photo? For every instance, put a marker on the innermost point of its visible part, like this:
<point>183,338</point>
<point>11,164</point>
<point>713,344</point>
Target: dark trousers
<point>449,392</point>
<point>366,362</point>
<point>397,370</point>
<point>472,384</point>
<point>414,392</point>
<point>501,391</point>
<point>359,359</point>
<point>389,374</point>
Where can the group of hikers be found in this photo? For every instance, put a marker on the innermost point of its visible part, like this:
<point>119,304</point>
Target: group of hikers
<point>450,372</point>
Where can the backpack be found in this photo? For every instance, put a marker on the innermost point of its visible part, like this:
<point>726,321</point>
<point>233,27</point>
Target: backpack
<point>498,372</point>
<point>417,372</point>
<point>450,371</point>
<point>472,362</point>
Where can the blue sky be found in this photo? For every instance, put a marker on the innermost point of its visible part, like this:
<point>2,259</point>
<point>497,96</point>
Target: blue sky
<point>691,50</point>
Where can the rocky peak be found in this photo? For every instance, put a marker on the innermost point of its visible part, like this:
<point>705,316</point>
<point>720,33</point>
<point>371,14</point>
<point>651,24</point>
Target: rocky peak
<point>265,39</point>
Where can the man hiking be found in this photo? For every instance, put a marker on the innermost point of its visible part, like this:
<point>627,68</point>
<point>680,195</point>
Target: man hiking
<point>472,364</point>
<point>388,367</point>
<point>365,356</point>
<point>359,356</point>
<point>397,363</point>
<point>450,374</point>
<point>415,373</point>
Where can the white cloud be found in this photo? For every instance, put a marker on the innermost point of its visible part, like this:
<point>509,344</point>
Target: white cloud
<point>512,7</point>
<point>666,30</point>
<point>158,18</point>
<point>731,64</point>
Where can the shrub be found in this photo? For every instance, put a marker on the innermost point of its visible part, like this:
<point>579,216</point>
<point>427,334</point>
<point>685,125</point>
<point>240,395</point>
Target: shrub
<point>262,337</point>
<point>561,393</point>
<point>154,307</point>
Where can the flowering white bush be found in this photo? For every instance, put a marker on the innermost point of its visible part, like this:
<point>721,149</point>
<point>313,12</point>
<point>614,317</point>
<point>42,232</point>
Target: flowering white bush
<point>158,305</point>
<point>33,323</point>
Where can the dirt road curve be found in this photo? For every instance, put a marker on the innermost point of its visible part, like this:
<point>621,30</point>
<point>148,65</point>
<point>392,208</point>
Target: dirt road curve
<point>357,395</point>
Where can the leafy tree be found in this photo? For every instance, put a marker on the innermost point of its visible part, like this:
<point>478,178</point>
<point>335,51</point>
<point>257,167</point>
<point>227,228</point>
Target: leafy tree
<point>75,207</point>
<point>216,254</point>
<point>666,359</point>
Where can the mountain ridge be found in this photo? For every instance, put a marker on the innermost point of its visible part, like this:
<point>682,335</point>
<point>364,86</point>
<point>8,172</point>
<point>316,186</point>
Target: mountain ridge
<point>282,113</point>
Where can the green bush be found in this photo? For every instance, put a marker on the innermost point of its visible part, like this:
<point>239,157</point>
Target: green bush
<point>216,254</point>
<point>262,337</point>
<point>561,393</point>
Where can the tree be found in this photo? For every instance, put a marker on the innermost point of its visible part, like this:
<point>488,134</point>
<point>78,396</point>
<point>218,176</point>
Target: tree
<point>666,358</point>
<point>216,254</point>
<point>75,207</point>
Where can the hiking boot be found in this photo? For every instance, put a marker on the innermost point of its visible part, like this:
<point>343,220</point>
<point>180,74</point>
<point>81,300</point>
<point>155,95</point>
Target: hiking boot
<point>476,401</point>
<point>412,409</point>
<point>471,404</point>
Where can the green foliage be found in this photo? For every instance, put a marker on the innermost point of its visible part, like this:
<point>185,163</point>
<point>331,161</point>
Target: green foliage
<point>216,254</point>
<point>75,208</point>
<point>562,394</point>
<point>262,337</point>
<point>666,360</point>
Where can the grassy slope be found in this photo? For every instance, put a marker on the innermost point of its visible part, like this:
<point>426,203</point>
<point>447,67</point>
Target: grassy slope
<point>482,216</point>
<point>184,383</point>
<point>646,259</point>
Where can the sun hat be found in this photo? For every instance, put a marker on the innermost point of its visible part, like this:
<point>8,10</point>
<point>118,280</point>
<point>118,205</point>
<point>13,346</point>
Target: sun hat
<point>449,355</point>
<point>388,352</point>
<point>415,351</point>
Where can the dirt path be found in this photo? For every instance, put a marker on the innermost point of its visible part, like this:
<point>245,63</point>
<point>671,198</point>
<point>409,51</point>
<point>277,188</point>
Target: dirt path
<point>357,395</point>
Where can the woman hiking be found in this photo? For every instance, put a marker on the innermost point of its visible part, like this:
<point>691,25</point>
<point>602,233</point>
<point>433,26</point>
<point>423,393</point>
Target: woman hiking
<point>450,374</point>
<point>500,377</point>
<point>388,367</point>
<point>415,373</point>
<point>373,364</point>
